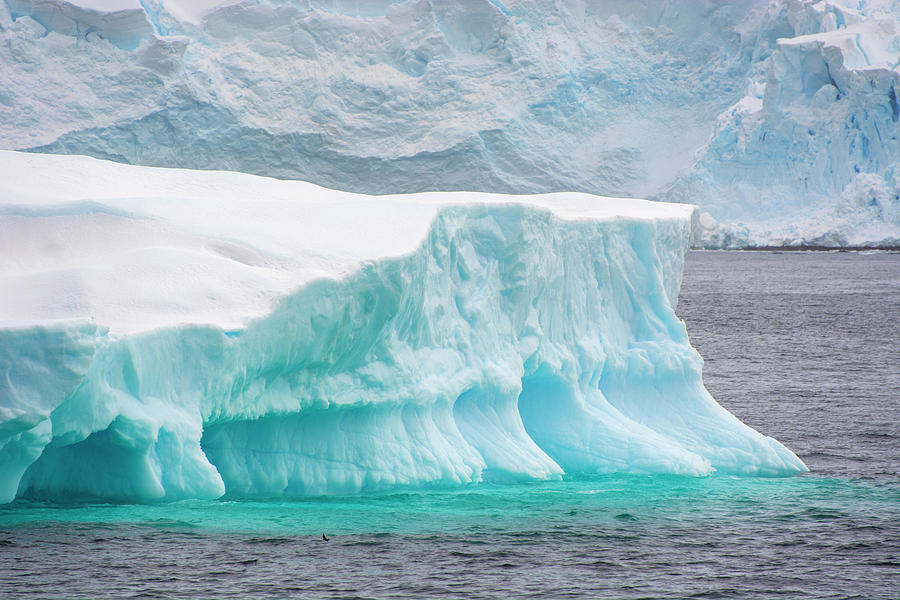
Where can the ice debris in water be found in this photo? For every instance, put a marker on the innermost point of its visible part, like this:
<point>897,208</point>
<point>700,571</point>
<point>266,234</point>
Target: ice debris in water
<point>187,334</point>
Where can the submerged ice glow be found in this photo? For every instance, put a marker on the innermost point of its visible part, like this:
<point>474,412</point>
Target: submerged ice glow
<point>332,344</point>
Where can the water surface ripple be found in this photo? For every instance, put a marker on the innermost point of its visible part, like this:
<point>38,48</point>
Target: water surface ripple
<point>803,346</point>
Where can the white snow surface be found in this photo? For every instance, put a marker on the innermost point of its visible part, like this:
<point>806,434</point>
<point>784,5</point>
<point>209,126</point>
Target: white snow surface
<point>137,248</point>
<point>779,119</point>
<point>187,334</point>
<point>108,5</point>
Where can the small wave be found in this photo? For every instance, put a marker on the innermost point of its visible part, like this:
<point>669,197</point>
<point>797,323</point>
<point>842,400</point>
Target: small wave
<point>626,517</point>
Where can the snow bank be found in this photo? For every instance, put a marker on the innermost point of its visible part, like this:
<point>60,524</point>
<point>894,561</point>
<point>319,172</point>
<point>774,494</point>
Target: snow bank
<point>173,334</point>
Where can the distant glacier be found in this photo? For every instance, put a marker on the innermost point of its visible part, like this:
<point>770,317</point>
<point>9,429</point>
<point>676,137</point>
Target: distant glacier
<point>779,119</point>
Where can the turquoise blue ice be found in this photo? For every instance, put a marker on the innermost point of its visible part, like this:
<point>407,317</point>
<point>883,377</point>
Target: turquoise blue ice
<point>161,344</point>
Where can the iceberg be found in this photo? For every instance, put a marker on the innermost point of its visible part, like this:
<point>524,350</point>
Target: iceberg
<point>779,119</point>
<point>167,334</point>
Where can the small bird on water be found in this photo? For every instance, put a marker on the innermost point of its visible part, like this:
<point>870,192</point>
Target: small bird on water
<point>324,539</point>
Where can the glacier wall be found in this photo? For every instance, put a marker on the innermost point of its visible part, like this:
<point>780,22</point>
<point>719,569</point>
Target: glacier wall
<point>428,339</point>
<point>678,100</point>
<point>814,145</point>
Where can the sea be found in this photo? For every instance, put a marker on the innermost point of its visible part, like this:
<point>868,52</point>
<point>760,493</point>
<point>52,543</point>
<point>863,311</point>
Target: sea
<point>803,346</point>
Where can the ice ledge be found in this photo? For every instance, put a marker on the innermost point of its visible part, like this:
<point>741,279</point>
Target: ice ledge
<point>138,248</point>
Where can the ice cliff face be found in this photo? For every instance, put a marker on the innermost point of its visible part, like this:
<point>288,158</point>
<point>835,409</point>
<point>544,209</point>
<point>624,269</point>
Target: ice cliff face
<point>791,104</point>
<point>159,344</point>
<point>815,145</point>
<point>382,97</point>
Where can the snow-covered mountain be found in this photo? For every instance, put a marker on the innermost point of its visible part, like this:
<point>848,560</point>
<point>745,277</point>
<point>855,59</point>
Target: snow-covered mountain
<point>780,119</point>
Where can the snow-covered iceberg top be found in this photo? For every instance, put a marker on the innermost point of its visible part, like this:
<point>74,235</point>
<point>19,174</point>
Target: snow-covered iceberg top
<point>135,248</point>
<point>170,333</point>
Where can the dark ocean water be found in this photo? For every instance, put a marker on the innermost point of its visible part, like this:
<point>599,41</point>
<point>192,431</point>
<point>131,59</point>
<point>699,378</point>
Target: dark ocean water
<point>802,346</point>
